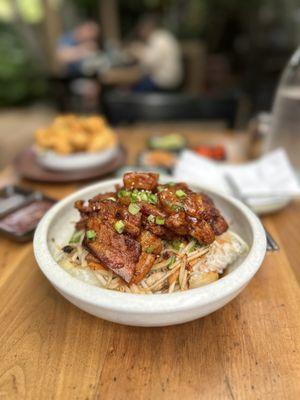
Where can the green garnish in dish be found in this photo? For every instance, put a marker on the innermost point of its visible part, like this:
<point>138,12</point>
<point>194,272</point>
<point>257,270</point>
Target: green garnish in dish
<point>134,208</point>
<point>176,244</point>
<point>177,207</point>
<point>134,197</point>
<point>153,198</point>
<point>90,234</point>
<point>160,188</point>
<point>180,193</point>
<point>76,237</point>
<point>140,195</point>
<point>144,196</point>
<point>149,250</point>
<point>111,198</point>
<point>171,261</point>
<point>119,226</point>
<point>194,247</point>
<point>123,193</point>
<point>151,218</point>
<point>160,221</point>
<point>168,142</point>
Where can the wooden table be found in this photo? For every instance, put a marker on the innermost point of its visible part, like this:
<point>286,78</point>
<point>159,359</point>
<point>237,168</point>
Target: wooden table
<point>49,349</point>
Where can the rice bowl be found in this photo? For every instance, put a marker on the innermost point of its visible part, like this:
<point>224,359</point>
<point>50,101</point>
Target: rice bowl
<point>144,309</point>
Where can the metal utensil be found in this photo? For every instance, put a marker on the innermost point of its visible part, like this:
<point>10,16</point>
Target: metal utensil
<point>271,243</point>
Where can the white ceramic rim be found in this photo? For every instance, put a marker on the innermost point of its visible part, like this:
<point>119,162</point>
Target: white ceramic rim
<point>82,160</point>
<point>147,303</point>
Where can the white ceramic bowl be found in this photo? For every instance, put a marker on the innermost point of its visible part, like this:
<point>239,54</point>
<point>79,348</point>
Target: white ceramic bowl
<point>156,309</point>
<point>57,162</point>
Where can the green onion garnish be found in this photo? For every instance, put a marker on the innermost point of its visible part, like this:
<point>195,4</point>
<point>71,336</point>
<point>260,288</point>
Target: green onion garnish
<point>171,261</point>
<point>144,196</point>
<point>176,244</point>
<point>90,234</point>
<point>119,226</point>
<point>177,207</point>
<point>76,237</point>
<point>171,184</point>
<point>134,197</point>
<point>149,249</point>
<point>194,247</point>
<point>134,208</point>
<point>180,193</point>
<point>153,199</point>
<point>160,221</point>
<point>160,188</point>
<point>111,198</point>
<point>151,218</point>
<point>123,193</point>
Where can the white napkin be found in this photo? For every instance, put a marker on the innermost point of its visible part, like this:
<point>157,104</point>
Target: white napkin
<point>263,181</point>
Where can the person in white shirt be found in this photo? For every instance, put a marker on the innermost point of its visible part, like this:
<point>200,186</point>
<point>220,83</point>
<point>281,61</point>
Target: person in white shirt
<point>159,56</point>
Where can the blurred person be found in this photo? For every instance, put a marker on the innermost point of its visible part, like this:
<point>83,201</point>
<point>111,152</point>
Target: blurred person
<point>74,49</point>
<point>159,56</point>
<point>76,46</point>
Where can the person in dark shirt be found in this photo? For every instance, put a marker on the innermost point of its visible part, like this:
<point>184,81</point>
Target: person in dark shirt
<point>81,89</point>
<point>76,46</point>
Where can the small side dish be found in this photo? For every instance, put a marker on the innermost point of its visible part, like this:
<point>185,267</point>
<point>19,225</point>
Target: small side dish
<point>12,197</point>
<point>216,152</point>
<point>147,237</point>
<point>170,142</point>
<point>20,211</point>
<point>158,159</point>
<point>70,134</point>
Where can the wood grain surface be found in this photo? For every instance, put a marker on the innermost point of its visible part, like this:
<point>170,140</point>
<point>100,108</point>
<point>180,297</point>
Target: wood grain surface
<point>249,349</point>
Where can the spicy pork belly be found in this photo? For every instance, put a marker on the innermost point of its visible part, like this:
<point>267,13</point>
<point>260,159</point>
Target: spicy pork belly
<point>125,229</point>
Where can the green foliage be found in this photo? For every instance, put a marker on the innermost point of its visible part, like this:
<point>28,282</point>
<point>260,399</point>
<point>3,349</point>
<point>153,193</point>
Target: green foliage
<point>20,79</point>
<point>87,8</point>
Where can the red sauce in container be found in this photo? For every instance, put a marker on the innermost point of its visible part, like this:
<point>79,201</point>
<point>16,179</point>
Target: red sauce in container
<point>25,219</point>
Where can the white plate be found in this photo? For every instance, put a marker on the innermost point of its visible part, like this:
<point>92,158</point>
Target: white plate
<point>156,309</point>
<point>272,206</point>
<point>57,162</point>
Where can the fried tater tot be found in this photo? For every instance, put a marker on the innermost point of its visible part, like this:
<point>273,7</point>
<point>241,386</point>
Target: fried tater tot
<point>71,134</point>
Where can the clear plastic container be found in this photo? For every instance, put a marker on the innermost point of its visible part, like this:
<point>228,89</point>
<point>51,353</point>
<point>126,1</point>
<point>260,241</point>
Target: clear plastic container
<point>285,125</point>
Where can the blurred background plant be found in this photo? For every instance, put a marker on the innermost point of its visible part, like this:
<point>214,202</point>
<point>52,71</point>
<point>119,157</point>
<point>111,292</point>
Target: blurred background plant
<point>21,79</point>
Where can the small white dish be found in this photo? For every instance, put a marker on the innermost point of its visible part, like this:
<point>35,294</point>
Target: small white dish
<point>58,162</point>
<point>156,309</point>
<point>272,206</point>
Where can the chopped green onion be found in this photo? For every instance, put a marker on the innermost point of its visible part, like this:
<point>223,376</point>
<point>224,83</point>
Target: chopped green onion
<point>171,184</point>
<point>90,234</point>
<point>171,261</point>
<point>180,193</point>
<point>160,221</point>
<point>119,226</point>
<point>160,188</point>
<point>111,198</point>
<point>123,193</point>
<point>194,247</point>
<point>134,208</point>
<point>134,197</point>
<point>151,218</point>
<point>177,207</point>
<point>153,198</point>
<point>75,238</point>
<point>144,196</point>
<point>176,244</point>
<point>149,249</point>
